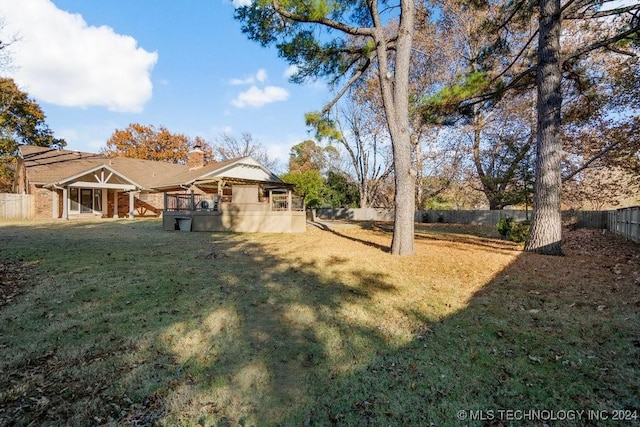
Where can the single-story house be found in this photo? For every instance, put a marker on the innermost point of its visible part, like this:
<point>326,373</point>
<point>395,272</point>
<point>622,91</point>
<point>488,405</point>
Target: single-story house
<point>236,195</point>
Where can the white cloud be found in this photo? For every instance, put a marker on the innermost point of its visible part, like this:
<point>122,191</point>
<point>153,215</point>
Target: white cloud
<point>290,71</point>
<point>242,82</point>
<point>255,97</point>
<point>240,3</point>
<point>62,60</point>
<point>260,76</point>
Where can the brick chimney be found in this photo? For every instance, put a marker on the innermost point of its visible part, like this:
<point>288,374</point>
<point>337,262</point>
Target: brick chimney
<point>195,158</point>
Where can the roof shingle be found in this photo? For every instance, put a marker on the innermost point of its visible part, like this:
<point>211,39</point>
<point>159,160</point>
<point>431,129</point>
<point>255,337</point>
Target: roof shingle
<point>46,165</point>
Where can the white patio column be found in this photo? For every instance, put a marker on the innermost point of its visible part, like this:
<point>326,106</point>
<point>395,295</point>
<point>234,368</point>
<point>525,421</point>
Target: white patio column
<point>54,203</point>
<point>105,202</point>
<point>131,204</point>
<point>289,199</point>
<point>65,203</point>
<point>115,203</point>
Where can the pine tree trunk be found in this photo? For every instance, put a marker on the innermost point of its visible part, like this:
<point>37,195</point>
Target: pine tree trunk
<point>405,202</point>
<point>394,85</point>
<point>546,226</point>
<point>405,173</point>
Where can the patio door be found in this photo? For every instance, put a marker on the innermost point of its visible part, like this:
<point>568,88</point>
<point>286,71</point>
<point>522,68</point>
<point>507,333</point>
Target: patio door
<point>86,200</point>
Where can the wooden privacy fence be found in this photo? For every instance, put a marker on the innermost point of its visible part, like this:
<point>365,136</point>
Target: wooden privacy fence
<point>626,222</point>
<point>17,206</point>
<point>583,219</point>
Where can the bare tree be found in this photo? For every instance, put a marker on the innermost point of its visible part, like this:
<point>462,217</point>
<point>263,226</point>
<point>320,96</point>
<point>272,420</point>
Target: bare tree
<point>228,147</point>
<point>366,143</point>
<point>600,187</point>
<point>6,40</point>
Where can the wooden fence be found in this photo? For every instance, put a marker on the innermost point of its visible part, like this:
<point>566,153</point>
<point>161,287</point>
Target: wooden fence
<point>17,206</point>
<point>625,222</point>
<point>582,219</point>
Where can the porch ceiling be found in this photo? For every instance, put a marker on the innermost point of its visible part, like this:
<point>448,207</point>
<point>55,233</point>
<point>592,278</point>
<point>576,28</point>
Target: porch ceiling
<point>85,184</point>
<point>214,182</point>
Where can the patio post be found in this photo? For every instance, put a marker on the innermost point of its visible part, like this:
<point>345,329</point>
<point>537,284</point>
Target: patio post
<point>54,203</point>
<point>131,204</point>
<point>105,203</point>
<point>65,203</point>
<point>115,203</point>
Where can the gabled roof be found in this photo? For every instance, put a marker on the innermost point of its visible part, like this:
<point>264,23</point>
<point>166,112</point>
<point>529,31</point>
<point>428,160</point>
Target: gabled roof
<point>102,168</point>
<point>50,166</point>
<point>244,168</point>
<point>47,165</point>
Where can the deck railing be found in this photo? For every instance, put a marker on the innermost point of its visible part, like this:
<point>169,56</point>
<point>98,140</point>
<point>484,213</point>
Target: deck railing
<point>280,202</point>
<point>191,202</point>
<point>208,202</point>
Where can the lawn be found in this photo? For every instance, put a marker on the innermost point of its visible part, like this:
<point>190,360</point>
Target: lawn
<point>121,323</point>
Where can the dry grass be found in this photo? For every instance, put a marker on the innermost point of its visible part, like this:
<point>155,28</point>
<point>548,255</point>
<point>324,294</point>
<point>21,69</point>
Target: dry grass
<point>122,323</point>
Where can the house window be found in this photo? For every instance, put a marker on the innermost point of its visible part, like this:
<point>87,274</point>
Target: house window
<point>85,200</point>
<point>74,205</point>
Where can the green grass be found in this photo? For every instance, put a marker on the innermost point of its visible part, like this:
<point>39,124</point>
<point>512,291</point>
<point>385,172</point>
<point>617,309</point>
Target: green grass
<point>122,323</point>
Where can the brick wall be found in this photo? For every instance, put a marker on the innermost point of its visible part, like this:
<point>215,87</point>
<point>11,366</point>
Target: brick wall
<point>148,204</point>
<point>44,204</point>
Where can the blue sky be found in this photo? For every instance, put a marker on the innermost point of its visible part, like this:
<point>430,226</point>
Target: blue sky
<point>97,66</point>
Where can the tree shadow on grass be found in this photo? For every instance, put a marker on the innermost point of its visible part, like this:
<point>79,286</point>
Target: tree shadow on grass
<point>176,327</point>
<point>220,329</point>
<point>557,348</point>
<point>445,234</point>
<point>327,226</point>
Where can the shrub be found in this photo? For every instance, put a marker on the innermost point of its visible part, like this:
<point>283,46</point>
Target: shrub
<point>514,231</point>
<point>504,226</point>
<point>519,231</point>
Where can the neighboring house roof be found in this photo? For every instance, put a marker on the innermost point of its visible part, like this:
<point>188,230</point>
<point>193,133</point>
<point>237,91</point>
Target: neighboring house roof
<point>50,166</point>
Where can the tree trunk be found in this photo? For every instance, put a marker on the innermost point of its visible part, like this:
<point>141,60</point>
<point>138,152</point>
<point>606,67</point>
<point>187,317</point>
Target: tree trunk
<point>394,86</point>
<point>546,226</point>
<point>405,199</point>
<point>495,205</point>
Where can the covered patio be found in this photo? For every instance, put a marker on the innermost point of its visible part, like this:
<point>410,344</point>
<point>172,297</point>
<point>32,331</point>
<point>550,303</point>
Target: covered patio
<point>235,204</point>
<point>93,193</point>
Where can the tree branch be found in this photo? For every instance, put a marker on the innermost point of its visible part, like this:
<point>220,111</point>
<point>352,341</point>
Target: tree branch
<point>588,163</point>
<point>602,43</point>
<point>575,15</point>
<point>347,85</point>
<point>336,25</point>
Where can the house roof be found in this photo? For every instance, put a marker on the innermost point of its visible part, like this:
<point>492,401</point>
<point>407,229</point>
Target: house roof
<point>49,166</point>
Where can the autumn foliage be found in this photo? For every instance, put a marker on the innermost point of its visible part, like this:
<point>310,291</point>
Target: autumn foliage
<point>151,143</point>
